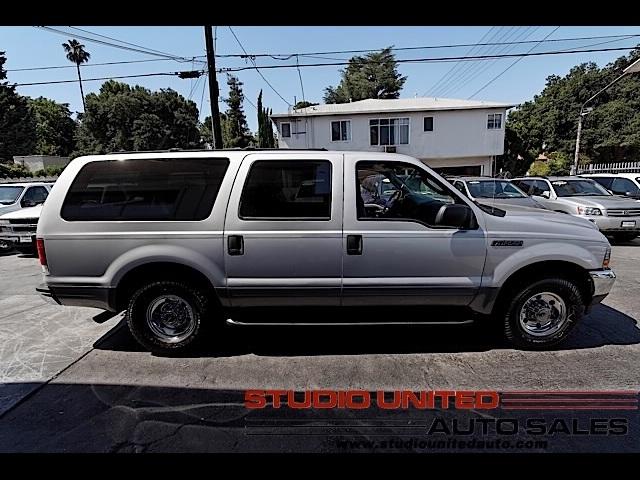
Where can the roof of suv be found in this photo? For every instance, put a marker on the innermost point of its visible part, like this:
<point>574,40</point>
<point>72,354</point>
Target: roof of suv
<point>26,184</point>
<point>551,179</point>
<point>476,179</point>
<point>613,174</point>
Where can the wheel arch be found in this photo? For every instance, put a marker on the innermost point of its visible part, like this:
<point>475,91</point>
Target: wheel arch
<point>546,269</point>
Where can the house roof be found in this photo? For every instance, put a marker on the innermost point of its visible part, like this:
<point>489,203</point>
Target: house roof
<point>391,105</point>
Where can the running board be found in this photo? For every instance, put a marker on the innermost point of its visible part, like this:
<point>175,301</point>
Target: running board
<point>229,321</point>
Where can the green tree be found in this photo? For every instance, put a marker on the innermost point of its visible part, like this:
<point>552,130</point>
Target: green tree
<point>610,133</point>
<point>17,123</point>
<point>77,54</point>
<point>238,135</point>
<point>539,168</point>
<point>266,138</point>
<point>12,170</point>
<point>55,128</point>
<point>122,117</point>
<point>304,104</point>
<point>374,75</point>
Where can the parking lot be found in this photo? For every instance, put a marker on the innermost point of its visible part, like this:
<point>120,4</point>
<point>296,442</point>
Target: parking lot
<point>68,383</point>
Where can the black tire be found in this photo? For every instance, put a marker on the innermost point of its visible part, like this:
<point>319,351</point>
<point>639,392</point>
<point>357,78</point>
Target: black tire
<point>26,250</point>
<point>144,298</point>
<point>568,292</point>
<point>624,237</point>
<point>5,247</point>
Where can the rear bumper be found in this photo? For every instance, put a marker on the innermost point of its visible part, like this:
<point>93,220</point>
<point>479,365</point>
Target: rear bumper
<point>78,296</point>
<point>603,281</point>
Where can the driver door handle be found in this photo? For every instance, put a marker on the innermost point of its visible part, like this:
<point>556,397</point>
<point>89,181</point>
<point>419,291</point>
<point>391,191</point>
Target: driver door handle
<point>235,245</point>
<point>354,244</point>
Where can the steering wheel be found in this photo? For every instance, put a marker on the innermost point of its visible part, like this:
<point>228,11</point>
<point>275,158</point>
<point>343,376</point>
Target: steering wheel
<point>395,197</point>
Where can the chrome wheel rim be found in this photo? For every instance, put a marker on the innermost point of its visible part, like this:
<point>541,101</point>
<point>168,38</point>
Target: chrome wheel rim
<point>543,314</point>
<point>170,318</point>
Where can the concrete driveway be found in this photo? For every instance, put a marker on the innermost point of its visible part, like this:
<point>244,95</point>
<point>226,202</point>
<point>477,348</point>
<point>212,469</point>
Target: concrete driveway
<point>106,394</point>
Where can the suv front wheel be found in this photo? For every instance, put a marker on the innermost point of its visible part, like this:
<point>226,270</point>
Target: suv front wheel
<point>543,314</point>
<point>166,317</point>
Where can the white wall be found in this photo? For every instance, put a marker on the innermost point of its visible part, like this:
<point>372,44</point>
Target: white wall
<point>456,134</point>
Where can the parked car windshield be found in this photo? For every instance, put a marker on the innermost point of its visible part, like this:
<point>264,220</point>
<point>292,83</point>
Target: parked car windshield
<point>575,188</point>
<point>9,194</point>
<point>494,189</point>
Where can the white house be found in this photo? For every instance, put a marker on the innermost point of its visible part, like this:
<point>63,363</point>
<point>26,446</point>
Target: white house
<point>453,136</point>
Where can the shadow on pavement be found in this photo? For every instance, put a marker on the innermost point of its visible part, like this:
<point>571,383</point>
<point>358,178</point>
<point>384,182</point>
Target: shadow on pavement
<point>603,326</point>
<point>120,418</point>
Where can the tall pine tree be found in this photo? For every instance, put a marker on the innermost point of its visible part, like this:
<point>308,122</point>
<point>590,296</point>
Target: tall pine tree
<point>265,128</point>
<point>239,135</point>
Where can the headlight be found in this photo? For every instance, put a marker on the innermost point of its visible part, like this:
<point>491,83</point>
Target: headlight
<point>4,222</point>
<point>589,211</point>
<point>607,258</point>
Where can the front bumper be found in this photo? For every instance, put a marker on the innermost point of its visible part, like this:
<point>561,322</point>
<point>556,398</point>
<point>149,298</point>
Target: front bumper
<point>614,224</point>
<point>19,239</point>
<point>603,281</point>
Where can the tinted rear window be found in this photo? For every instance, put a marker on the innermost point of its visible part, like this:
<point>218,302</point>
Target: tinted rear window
<point>157,189</point>
<point>288,189</point>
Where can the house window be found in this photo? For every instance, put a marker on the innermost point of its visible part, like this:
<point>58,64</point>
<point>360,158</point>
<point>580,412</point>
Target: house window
<point>494,121</point>
<point>285,129</point>
<point>428,124</point>
<point>389,131</point>
<point>341,131</point>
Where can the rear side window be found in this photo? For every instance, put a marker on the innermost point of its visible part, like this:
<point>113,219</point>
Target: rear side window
<point>604,181</point>
<point>296,189</point>
<point>138,190</point>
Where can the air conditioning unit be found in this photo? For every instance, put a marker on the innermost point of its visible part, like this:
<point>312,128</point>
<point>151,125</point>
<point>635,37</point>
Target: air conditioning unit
<point>389,149</point>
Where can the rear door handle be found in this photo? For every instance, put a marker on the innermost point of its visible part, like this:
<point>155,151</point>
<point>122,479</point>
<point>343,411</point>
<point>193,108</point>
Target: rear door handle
<point>235,245</point>
<point>354,244</point>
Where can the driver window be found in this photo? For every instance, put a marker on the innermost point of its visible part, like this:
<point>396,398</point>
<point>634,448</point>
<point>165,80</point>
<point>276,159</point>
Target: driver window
<point>398,191</point>
<point>34,196</point>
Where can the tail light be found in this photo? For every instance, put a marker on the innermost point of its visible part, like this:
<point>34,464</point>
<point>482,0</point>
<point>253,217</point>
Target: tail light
<point>42,255</point>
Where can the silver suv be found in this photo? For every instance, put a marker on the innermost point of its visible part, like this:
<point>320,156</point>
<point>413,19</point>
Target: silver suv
<point>190,240</point>
<point>616,216</point>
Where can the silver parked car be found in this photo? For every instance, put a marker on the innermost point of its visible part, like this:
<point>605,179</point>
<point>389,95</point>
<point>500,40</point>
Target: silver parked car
<point>185,241</point>
<point>17,196</point>
<point>616,216</point>
<point>497,192</point>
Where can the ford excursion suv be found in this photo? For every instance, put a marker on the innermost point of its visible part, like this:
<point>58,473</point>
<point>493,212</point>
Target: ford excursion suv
<point>188,241</point>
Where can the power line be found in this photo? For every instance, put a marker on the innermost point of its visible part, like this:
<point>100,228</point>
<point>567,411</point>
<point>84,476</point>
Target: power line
<point>424,47</point>
<point>84,65</point>
<point>512,64</point>
<point>102,78</point>
<point>464,81</point>
<point>257,70</point>
<point>436,59</point>
<point>500,34</point>
<point>122,41</point>
<point>114,45</point>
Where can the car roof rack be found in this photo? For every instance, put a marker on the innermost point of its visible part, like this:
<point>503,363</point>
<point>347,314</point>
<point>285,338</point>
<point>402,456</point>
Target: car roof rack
<point>247,149</point>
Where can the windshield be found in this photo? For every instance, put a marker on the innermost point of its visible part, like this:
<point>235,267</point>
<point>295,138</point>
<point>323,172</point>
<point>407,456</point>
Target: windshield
<point>9,194</point>
<point>494,189</point>
<point>574,188</point>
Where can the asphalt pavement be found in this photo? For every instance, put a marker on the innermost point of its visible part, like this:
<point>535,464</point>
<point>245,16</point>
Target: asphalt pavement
<point>71,384</point>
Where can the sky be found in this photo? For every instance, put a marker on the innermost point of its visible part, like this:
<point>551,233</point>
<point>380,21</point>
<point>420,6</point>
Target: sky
<point>34,47</point>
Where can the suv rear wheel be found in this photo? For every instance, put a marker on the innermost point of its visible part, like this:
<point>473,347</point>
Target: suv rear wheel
<point>166,317</point>
<point>543,314</point>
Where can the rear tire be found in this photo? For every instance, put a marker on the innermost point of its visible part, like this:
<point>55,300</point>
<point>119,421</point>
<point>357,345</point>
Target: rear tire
<point>166,317</point>
<point>543,314</point>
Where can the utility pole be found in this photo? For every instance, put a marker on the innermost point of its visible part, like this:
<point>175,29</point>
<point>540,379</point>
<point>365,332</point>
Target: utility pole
<point>213,88</point>
<point>574,167</point>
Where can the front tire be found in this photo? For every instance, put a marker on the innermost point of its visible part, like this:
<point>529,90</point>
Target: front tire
<point>543,314</point>
<point>165,317</point>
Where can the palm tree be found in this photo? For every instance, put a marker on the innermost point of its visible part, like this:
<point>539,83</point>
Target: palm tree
<point>77,54</point>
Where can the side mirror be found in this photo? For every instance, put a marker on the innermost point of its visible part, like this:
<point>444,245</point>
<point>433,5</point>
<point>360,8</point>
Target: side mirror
<point>610,192</point>
<point>455,215</point>
<point>546,194</point>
